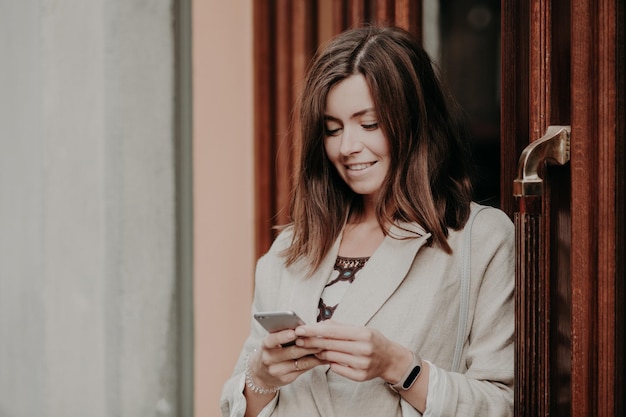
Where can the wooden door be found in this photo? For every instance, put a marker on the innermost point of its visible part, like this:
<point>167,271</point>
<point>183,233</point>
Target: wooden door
<point>563,65</point>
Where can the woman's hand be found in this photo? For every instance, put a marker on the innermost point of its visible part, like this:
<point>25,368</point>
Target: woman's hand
<point>278,365</point>
<point>355,352</point>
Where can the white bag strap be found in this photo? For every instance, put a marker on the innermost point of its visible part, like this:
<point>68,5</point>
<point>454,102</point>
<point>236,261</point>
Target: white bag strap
<point>465,289</point>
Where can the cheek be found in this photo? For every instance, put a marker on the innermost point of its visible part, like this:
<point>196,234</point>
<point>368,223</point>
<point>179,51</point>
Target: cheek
<point>331,150</point>
<point>380,146</point>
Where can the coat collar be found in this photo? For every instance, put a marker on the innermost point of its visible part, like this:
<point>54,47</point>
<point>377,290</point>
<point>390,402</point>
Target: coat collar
<point>381,275</point>
<point>379,278</point>
<point>376,282</point>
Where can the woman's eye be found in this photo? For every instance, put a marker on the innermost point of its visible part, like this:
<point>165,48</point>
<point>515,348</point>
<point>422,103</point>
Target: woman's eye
<point>370,126</point>
<point>332,132</point>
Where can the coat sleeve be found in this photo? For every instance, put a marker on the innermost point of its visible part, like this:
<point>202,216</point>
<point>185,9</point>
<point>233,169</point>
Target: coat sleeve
<point>486,387</point>
<point>232,401</point>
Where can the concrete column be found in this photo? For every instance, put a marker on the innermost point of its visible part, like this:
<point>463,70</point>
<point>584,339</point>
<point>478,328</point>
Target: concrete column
<point>88,286</point>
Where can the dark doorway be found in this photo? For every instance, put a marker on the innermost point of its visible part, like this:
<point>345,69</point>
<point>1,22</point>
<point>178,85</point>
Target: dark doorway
<point>470,66</point>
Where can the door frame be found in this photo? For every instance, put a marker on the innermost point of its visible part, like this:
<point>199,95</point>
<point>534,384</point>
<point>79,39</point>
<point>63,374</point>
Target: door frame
<point>532,93</point>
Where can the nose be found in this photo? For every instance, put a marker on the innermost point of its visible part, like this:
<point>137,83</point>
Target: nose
<point>350,142</point>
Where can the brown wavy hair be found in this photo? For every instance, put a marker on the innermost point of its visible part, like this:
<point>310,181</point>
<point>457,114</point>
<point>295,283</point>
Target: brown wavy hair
<point>429,180</point>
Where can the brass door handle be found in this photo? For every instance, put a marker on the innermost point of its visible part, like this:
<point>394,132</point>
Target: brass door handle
<point>532,295</point>
<point>552,148</point>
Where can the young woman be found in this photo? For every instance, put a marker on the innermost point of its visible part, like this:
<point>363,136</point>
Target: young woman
<point>405,285</point>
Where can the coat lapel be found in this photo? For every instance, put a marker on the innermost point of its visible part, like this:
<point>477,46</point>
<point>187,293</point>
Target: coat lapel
<point>381,275</point>
<point>306,291</point>
<point>321,391</point>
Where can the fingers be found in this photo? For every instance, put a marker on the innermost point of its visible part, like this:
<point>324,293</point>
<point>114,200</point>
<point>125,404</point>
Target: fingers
<point>329,329</point>
<point>288,370</point>
<point>358,347</point>
<point>355,352</point>
<point>279,339</point>
<point>281,346</point>
<point>279,360</point>
<point>305,363</point>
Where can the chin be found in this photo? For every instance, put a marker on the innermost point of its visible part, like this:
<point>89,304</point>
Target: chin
<point>365,191</point>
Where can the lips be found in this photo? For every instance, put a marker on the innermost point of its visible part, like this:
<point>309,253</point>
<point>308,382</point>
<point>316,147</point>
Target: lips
<point>359,167</point>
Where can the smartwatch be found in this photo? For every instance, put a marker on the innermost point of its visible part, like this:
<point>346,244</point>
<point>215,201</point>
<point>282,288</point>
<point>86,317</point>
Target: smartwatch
<point>410,376</point>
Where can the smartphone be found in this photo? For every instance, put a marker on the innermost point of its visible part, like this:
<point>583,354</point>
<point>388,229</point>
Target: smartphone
<point>275,321</point>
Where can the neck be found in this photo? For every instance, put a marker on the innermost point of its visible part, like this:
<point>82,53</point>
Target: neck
<point>368,215</point>
<point>369,208</point>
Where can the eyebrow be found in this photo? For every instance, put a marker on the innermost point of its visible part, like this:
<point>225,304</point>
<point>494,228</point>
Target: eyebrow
<point>355,115</point>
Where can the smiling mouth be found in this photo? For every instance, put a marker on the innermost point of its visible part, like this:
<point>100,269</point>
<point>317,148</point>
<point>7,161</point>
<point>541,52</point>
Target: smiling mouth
<point>359,167</point>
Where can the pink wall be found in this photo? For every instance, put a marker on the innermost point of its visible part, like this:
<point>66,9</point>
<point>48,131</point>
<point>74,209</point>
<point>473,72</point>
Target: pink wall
<point>223,191</point>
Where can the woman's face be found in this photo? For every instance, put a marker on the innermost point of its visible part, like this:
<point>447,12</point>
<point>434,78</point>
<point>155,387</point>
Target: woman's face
<point>353,141</point>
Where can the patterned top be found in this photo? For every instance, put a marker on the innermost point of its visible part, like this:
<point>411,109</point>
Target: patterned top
<point>343,274</point>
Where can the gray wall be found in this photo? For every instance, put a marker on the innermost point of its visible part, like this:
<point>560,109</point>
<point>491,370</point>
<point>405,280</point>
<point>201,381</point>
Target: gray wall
<point>88,271</point>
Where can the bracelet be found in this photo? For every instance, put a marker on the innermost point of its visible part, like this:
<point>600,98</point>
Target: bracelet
<point>408,379</point>
<point>250,383</point>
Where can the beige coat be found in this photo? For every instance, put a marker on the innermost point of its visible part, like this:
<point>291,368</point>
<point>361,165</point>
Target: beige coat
<point>411,293</point>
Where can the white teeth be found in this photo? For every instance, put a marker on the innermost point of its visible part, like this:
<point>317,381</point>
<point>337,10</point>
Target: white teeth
<point>359,167</point>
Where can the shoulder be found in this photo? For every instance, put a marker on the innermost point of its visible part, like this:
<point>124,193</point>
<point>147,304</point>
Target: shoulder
<point>490,228</point>
<point>282,241</point>
<point>275,254</point>
<point>487,218</point>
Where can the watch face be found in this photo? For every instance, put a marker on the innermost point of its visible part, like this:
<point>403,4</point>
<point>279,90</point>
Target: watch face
<point>411,378</point>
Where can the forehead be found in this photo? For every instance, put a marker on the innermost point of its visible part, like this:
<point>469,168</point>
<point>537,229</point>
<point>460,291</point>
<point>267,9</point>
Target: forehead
<point>349,97</point>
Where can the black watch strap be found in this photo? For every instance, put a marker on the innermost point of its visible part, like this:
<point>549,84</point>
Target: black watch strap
<point>410,376</point>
